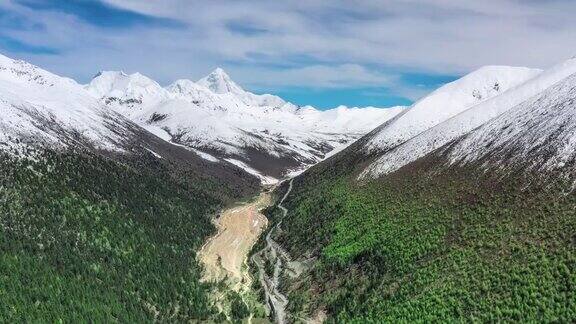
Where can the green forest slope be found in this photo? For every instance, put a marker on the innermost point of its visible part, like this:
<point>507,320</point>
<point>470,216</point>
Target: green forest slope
<point>86,238</point>
<point>427,244</point>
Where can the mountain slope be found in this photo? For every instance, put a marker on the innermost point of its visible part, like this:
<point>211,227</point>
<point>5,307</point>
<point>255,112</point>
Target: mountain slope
<point>216,116</point>
<point>100,219</point>
<point>38,106</point>
<point>480,228</point>
<point>43,110</point>
<point>450,100</point>
<point>466,121</point>
<point>540,134</point>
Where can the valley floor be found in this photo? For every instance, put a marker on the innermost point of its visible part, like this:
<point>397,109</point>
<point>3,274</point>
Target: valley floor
<point>225,254</point>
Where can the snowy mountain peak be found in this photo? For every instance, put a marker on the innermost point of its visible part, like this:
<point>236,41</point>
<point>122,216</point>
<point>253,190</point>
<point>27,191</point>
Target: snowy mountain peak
<point>186,87</point>
<point>122,86</point>
<point>220,82</point>
<point>220,71</point>
<point>41,108</point>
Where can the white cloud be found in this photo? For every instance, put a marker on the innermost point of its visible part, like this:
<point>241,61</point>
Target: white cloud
<point>318,76</point>
<point>453,35</point>
<point>317,43</point>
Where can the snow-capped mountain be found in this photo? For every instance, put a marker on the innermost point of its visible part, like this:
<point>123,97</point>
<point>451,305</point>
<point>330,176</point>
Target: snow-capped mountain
<point>490,188</point>
<point>127,93</point>
<point>262,133</point>
<point>448,101</point>
<point>44,109</point>
<point>469,119</point>
<point>539,134</point>
<point>219,82</point>
<point>41,110</point>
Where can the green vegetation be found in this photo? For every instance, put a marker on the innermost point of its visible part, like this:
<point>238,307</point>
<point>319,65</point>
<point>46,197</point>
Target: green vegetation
<point>238,309</point>
<point>84,238</point>
<point>432,246</point>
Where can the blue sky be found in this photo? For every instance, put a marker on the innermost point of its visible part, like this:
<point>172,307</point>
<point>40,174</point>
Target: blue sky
<point>330,98</point>
<point>319,52</point>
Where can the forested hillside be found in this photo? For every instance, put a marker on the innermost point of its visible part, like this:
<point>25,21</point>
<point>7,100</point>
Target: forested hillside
<point>431,243</point>
<point>470,220</point>
<point>86,237</point>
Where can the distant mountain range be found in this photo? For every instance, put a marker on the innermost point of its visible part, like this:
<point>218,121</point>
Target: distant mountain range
<point>214,116</point>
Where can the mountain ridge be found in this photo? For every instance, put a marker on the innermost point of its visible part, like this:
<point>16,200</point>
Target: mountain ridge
<point>449,100</point>
<point>465,121</point>
<point>43,111</point>
<point>216,116</point>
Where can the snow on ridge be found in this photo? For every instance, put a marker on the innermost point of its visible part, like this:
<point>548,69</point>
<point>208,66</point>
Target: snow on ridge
<point>41,107</point>
<point>122,85</point>
<point>186,87</point>
<point>45,108</point>
<point>466,121</point>
<point>218,115</point>
<point>540,131</point>
<point>448,101</point>
<point>349,120</point>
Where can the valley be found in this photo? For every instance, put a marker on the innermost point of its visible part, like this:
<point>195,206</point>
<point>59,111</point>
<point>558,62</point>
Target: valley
<point>103,201</point>
<point>112,241</point>
<point>238,228</point>
<point>224,255</point>
<point>272,254</point>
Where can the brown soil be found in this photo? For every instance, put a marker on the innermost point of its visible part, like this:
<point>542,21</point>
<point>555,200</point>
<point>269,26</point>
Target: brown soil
<point>224,255</point>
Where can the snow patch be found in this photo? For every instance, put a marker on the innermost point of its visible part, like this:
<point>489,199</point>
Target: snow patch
<point>265,180</point>
<point>154,153</point>
<point>206,156</point>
